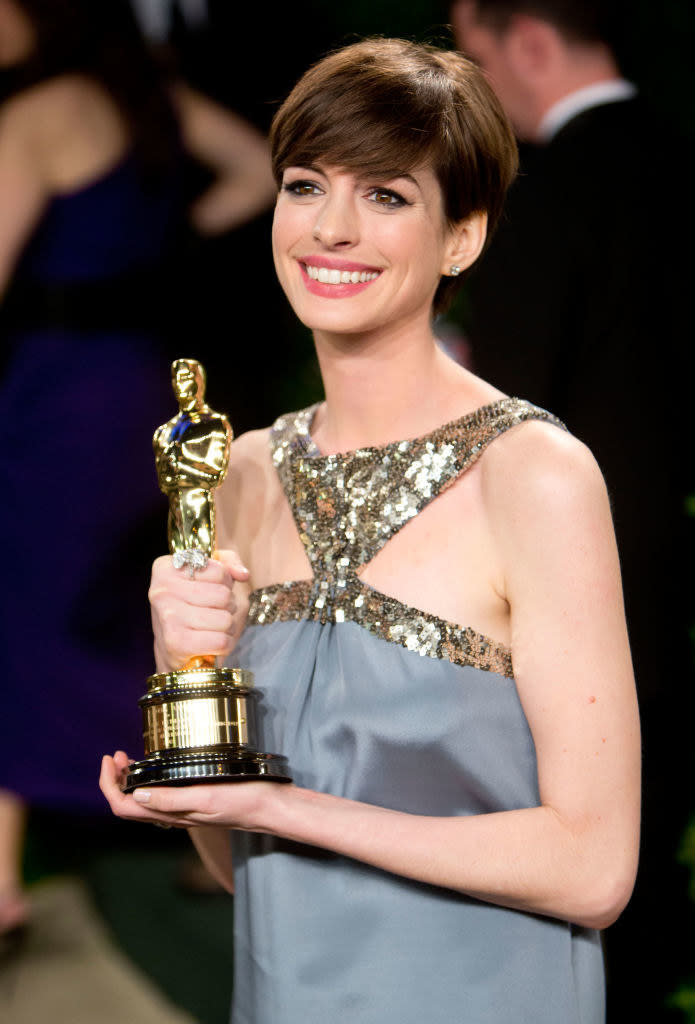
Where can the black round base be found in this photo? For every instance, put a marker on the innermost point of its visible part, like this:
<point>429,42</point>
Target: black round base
<point>184,768</point>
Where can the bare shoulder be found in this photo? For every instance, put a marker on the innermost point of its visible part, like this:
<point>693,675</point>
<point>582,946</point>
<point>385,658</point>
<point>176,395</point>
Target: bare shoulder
<point>22,116</point>
<point>70,124</point>
<point>537,473</point>
<point>51,104</point>
<point>248,469</point>
<point>243,495</point>
<point>250,450</point>
<point>32,130</point>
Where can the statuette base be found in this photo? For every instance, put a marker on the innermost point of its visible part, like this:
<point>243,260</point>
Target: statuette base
<point>182,768</point>
<point>199,726</point>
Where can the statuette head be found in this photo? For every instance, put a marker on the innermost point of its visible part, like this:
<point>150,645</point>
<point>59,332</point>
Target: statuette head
<point>188,380</point>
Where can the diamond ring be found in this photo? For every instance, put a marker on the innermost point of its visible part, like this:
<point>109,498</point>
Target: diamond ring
<point>190,559</point>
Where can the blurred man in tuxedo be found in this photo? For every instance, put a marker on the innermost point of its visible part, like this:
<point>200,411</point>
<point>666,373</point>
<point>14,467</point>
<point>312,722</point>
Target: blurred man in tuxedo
<point>579,306</point>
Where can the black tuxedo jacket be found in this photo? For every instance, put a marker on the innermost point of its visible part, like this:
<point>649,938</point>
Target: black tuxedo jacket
<point>579,305</point>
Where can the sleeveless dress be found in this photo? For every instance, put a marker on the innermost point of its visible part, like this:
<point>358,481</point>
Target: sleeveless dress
<point>84,387</point>
<point>380,702</point>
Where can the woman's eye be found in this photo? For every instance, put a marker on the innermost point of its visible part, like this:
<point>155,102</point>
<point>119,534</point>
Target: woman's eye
<point>386,197</point>
<point>301,188</point>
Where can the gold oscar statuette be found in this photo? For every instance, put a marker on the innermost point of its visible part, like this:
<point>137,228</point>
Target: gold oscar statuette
<point>198,721</point>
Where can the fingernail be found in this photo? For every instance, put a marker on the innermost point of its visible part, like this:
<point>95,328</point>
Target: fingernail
<point>142,796</point>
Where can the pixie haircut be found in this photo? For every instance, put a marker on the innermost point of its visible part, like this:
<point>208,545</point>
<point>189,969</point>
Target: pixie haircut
<point>386,107</point>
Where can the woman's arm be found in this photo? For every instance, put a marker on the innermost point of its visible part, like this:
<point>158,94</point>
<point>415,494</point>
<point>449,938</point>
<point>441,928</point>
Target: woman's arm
<point>574,856</point>
<point>214,846</point>
<point>23,188</point>
<point>236,152</point>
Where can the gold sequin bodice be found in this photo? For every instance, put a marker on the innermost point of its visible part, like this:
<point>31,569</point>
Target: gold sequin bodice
<point>347,506</point>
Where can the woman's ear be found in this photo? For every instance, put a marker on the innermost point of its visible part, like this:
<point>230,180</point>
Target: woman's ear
<point>466,241</point>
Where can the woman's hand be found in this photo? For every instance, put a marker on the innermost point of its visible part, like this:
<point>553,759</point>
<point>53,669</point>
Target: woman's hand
<point>195,615</point>
<point>237,805</point>
<point>111,782</point>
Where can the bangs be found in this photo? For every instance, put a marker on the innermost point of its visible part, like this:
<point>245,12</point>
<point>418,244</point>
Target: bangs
<point>380,152</point>
<point>365,120</point>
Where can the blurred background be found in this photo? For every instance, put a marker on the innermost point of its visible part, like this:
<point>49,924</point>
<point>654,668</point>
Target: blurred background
<point>104,279</point>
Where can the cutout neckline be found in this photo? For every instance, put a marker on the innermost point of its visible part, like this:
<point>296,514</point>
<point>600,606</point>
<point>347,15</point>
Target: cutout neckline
<point>313,451</point>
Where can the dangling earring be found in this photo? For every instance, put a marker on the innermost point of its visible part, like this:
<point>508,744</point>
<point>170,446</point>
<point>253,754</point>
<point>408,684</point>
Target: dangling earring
<point>455,270</point>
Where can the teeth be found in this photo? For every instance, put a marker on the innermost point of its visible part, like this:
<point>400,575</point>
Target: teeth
<point>326,276</point>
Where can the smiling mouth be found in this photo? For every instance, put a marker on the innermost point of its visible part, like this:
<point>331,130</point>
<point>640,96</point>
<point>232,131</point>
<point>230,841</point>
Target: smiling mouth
<point>326,275</point>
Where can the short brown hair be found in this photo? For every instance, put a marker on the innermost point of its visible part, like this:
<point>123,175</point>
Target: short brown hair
<point>388,106</point>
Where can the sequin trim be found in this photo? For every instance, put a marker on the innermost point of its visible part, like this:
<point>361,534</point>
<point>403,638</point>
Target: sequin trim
<point>346,508</point>
<point>384,617</point>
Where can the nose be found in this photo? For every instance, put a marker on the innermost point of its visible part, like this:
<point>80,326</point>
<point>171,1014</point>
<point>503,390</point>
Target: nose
<point>336,225</point>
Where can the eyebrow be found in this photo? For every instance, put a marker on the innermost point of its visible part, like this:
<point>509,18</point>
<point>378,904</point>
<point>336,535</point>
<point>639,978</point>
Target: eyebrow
<point>395,176</point>
<point>388,175</point>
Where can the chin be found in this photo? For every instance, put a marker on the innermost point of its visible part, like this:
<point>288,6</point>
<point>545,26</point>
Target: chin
<point>339,316</point>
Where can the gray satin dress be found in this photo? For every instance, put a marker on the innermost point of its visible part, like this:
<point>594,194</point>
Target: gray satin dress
<point>376,701</point>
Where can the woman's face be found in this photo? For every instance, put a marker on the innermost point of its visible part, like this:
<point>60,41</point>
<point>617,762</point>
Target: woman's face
<point>354,252</point>
<point>17,34</point>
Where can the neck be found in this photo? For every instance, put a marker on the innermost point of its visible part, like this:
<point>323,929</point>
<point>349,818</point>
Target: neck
<point>384,389</point>
<point>573,68</point>
<point>191,405</point>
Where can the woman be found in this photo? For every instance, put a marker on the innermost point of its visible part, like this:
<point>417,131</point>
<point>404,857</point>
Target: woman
<point>458,829</point>
<point>92,144</point>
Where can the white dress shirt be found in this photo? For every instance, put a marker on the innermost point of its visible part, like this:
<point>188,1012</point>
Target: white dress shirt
<point>580,100</point>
